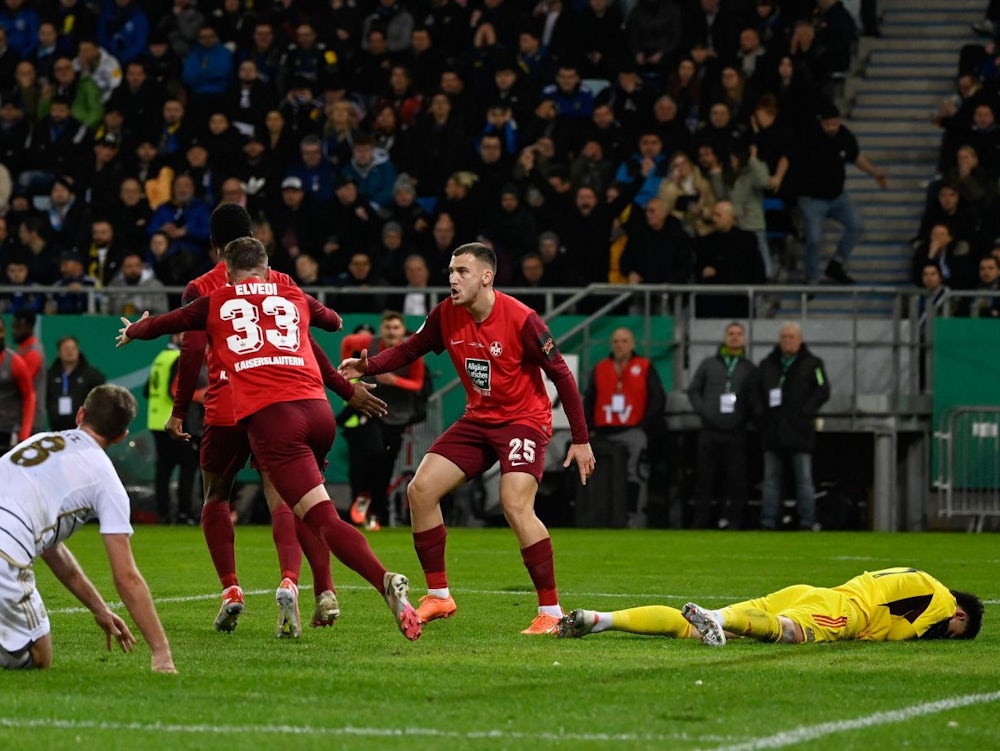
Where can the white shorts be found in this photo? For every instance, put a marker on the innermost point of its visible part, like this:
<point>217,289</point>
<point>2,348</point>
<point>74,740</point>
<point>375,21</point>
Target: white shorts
<point>23,619</point>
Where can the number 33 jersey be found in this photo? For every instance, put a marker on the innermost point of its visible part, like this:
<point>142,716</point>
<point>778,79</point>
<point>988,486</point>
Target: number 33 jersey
<point>51,485</point>
<point>259,333</point>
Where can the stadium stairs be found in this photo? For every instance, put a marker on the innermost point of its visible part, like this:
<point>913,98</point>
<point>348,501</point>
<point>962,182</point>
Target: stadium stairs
<point>889,102</point>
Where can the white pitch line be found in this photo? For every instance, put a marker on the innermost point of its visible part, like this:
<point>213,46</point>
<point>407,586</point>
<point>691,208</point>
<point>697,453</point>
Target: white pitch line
<point>778,740</point>
<point>566,594</point>
<point>347,731</point>
<point>812,732</point>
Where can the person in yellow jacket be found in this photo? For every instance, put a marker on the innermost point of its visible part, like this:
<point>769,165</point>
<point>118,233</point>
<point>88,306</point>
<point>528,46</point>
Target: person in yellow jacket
<point>160,390</point>
<point>893,604</point>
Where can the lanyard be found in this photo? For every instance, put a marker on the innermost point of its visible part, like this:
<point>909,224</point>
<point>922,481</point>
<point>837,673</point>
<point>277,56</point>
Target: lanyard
<point>731,362</point>
<point>786,364</point>
<point>65,383</point>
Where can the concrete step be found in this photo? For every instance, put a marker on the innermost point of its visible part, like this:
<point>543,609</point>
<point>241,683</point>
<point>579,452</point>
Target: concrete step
<point>864,185</point>
<point>899,140</point>
<point>913,57</point>
<point>891,127</point>
<point>912,116</point>
<point>889,100</point>
<point>917,84</point>
<point>924,71</point>
<point>879,197</point>
<point>903,42</point>
<point>920,156</point>
<point>942,18</point>
<point>959,33</point>
<point>878,235</point>
<point>890,209</point>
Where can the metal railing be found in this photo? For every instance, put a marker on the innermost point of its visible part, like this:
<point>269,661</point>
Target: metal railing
<point>967,443</point>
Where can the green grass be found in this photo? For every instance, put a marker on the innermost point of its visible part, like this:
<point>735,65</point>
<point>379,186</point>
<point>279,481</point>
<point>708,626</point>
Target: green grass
<point>473,682</point>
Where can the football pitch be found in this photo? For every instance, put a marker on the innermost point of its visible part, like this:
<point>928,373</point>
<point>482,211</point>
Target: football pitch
<point>474,682</point>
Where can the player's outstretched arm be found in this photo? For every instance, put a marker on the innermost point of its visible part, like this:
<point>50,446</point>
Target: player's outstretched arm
<point>137,598</point>
<point>123,338</point>
<point>354,367</point>
<point>583,454</point>
<point>66,569</point>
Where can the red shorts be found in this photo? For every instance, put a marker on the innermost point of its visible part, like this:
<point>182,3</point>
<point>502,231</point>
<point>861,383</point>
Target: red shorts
<point>224,449</point>
<point>474,446</point>
<point>290,441</point>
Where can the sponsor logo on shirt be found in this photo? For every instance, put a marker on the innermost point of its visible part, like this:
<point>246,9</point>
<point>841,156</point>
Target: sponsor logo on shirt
<point>479,374</point>
<point>547,343</point>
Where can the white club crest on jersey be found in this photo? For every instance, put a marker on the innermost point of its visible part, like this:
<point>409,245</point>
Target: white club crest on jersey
<point>496,349</point>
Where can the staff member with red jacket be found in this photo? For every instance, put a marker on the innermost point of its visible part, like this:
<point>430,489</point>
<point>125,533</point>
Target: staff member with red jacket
<point>623,402</point>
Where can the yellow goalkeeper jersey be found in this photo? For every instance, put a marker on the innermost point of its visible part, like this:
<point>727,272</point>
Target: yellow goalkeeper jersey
<point>898,603</point>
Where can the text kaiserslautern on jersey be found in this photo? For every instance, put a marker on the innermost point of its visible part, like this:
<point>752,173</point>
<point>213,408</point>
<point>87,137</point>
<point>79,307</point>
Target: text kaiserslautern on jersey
<point>257,333</point>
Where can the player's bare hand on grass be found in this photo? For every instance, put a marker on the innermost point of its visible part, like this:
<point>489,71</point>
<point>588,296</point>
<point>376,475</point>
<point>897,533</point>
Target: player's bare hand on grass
<point>162,664</point>
<point>114,627</point>
<point>354,367</point>
<point>367,403</point>
<point>122,339</point>
<point>585,462</point>
<point>175,429</point>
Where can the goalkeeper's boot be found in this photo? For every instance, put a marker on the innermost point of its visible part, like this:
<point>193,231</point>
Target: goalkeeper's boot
<point>577,624</point>
<point>711,632</point>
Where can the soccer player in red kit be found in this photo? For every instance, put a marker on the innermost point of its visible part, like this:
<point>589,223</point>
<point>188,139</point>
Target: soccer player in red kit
<point>500,348</point>
<point>223,452</point>
<point>255,329</point>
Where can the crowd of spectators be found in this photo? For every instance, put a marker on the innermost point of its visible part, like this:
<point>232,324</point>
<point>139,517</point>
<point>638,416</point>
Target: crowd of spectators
<point>957,245</point>
<point>587,140</point>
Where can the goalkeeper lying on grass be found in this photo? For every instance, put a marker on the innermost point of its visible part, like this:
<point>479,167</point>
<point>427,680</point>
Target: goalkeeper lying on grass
<point>893,604</point>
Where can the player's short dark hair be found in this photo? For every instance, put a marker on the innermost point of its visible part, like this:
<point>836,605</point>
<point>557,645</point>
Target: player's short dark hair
<point>480,250</point>
<point>25,316</point>
<point>109,409</point>
<point>229,221</point>
<point>245,254</point>
<point>973,608</point>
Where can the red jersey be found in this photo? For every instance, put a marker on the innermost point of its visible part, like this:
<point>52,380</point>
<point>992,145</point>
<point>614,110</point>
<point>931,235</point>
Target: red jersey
<point>218,399</point>
<point>257,335</point>
<point>500,362</point>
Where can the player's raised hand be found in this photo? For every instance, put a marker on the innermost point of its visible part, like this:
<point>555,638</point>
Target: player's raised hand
<point>122,339</point>
<point>585,462</point>
<point>367,403</point>
<point>354,367</point>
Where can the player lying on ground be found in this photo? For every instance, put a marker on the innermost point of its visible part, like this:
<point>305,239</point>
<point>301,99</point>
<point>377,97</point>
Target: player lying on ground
<point>893,604</point>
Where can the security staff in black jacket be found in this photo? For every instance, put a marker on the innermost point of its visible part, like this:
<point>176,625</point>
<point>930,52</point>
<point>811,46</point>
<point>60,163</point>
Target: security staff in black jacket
<point>723,391</point>
<point>793,386</point>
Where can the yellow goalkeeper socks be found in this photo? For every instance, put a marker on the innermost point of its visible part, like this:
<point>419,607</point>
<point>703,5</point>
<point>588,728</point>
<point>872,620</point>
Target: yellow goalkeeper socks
<point>653,620</point>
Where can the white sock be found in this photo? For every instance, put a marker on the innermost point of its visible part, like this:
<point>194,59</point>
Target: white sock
<point>444,594</point>
<point>554,610</point>
<point>717,617</point>
<point>603,623</point>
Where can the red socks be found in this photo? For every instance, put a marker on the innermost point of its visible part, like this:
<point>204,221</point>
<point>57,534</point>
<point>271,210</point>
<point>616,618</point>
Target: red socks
<point>217,525</point>
<point>345,542</point>
<point>318,555</point>
<point>430,545</point>
<point>285,542</point>
<point>542,570</point>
